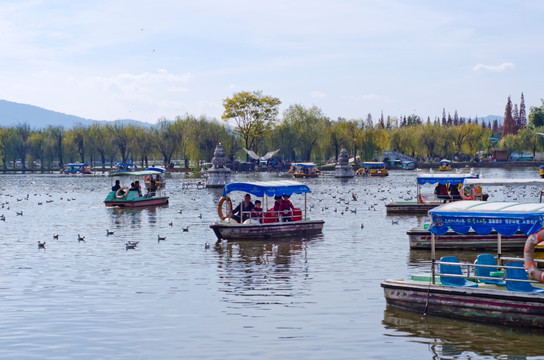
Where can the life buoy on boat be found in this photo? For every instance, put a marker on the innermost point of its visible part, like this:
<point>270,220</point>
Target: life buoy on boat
<point>420,199</point>
<point>529,256</point>
<point>220,207</point>
<point>121,193</point>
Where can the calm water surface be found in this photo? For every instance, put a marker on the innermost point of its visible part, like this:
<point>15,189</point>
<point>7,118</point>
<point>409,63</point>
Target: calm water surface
<point>317,298</point>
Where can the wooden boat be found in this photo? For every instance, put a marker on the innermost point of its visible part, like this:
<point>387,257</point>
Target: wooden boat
<point>444,165</point>
<point>270,227</point>
<point>373,168</point>
<point>426,202</point>
<point>76,169</point>
<point>304,170</point>
<point>124,197</point>
<point>507,298</point>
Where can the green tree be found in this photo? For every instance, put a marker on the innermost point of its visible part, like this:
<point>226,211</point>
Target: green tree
<point>253,113</point>
<point>308,125</point>
<point>536,115</point>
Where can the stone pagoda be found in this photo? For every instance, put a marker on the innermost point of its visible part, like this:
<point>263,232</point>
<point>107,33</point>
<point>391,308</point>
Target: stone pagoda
<point>343,169</point>
<point>218,174</point>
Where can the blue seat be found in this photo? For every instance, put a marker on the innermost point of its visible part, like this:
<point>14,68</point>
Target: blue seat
<point>519,274</point>
<point>488,259</point>
<point>453,270</point>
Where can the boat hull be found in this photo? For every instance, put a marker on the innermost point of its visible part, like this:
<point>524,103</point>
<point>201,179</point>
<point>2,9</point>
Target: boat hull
<point>486,303</point>
<point>420,239</point>
<point>133,200</point>
<point>266,231</point>
<point>409,207</point>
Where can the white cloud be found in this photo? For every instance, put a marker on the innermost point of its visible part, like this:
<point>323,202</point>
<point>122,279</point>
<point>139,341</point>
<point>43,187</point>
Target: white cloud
<point>494,68</point>
<point>318,94</point>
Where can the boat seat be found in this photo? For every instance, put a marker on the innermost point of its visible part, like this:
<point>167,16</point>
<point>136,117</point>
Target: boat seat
<point>488,259</point>
<point>519,274</point>
<point>270,217</point>
<point>297,214</point>
<point>453,270</point>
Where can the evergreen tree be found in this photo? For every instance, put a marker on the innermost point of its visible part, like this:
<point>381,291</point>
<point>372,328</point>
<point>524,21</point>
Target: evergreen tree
<point>456,121</point>
<point>522,115</point>
<point>469,120</point>
<point>450,120</point>
<point>428,120</point>
<point>508,127</point>
<point>495,128</point>
<point>483,124</point>
<point>515,117</point>
<point>369,124</point>
<point>444,117</point>
<point>381,123</point>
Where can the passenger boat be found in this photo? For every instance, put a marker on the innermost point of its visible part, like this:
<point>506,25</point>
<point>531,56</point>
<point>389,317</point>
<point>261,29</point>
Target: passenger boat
<point>271,226</point>
<point>154,185</point>
<point>373,168</point>
<point>490,290</point>
<point>424,202</point>
<point>304,170</point>
<point>76,169</point>
<point>444,165</point>
<point>421,237</point>
<point>409,165</point>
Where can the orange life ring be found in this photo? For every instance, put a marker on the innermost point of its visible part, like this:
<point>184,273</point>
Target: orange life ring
<point>220,207</point>
<point>528,255</point>
<point>118,194</point>
<point>420,199</point>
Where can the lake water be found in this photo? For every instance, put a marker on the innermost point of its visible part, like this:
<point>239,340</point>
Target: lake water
<point>317,298</point>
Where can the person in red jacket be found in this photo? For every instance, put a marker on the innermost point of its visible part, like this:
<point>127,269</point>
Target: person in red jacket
<point>286,208</point>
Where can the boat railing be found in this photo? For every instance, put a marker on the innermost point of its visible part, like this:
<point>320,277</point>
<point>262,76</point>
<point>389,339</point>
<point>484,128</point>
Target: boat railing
<point>470,270</point>
<point>271,216</point>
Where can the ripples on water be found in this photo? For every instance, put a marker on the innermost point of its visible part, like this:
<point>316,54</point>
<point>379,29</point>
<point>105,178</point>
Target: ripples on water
<point>316,298</point>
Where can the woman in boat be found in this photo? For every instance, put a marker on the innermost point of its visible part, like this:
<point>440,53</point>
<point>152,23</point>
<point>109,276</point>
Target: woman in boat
<point>441,191</point>
<point>277,206</point>
<point>286,208</point>
<point>242,211</point>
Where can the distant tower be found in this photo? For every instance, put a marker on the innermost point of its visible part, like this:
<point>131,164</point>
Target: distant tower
<point>343,169</point>
<point>218,174</point>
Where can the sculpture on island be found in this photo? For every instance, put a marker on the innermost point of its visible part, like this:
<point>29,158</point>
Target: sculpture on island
<point>218,174</point>
<point>343,169</point>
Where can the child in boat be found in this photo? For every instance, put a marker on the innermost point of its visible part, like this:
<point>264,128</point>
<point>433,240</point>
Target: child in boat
<point>257,211</point>
<point>286,208</point>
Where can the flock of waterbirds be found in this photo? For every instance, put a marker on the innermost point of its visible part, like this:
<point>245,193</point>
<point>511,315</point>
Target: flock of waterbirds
<point>354,200</point>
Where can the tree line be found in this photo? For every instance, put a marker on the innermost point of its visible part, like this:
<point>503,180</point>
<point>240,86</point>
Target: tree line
<point>250,120</point>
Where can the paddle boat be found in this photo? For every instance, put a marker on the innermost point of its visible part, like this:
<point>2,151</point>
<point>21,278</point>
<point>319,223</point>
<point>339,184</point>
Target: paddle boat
<point>409,165</point>
<point>270,225</point>
<point>155,194</point>
<point>123,167</point>
<point>373,168</point>
<point>304,170</point>
<point>421,237</point>
<point>492,289</point>
<point>541,172</point>
<point>444,165</point>
<point>424,202</point>
<point>76,169</point>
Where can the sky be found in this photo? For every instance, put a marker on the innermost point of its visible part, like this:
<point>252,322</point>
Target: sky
<point>146,60</point>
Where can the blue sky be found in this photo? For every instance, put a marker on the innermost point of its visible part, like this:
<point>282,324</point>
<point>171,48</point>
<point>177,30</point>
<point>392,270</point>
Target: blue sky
<point>144,60</point>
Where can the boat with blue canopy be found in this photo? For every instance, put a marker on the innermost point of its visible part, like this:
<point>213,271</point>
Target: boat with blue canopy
<point>269,224</point>
<point>153,194</point>
<point>426,202</point>
<point>76,169</point>
<point>304,170</point>
<point>444,165</point>
<point>373,168</point>
<point>498,290</point>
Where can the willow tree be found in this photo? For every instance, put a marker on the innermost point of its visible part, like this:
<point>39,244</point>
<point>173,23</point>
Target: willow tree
<point>309,126</point>
<point>168,137</point>
<point>253,114</point>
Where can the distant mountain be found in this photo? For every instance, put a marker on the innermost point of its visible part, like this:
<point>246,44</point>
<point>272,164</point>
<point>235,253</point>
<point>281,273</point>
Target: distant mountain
<point>490,119</point>
<point>12,114</point>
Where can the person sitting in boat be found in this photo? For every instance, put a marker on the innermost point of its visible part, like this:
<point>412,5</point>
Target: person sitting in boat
<point>286,208</point>
<point>242,211</point>
<point>257,212</point>
<point>277,206</point>
<point>441,191</point>
<point>454,193</point>
<point>117,185</point>
<point>151,188</point>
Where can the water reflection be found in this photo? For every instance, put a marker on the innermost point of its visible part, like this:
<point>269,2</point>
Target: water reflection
<point>257,273</point>
<point>450,338</point>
